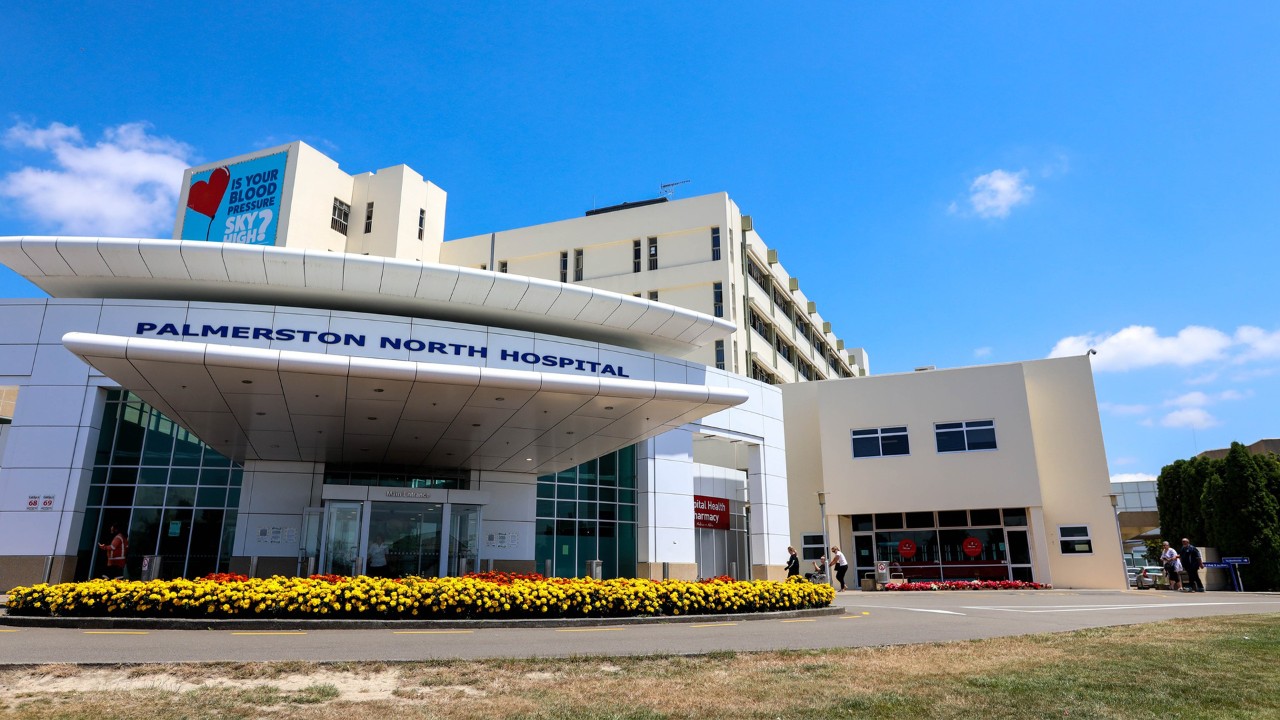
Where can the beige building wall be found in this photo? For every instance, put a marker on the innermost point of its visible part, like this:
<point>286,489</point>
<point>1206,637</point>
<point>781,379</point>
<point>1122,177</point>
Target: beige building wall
<point>685,276</point>
<point>1049,458</point>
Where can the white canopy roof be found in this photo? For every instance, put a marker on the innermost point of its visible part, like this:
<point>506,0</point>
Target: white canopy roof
<point>251,403</point>
<point>224,272</point>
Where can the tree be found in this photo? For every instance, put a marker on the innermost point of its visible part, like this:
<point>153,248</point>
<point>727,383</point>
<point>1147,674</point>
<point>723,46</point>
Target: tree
<point>1243,516</point>
<point>1179,498</point>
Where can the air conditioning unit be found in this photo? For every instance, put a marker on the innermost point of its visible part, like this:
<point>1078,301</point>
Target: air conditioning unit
<point>746,223</point>
<point>839,344</point>
<point>813,307</point>
<point>773,257</point>
<point>793,284</point>
<point>826,327</point>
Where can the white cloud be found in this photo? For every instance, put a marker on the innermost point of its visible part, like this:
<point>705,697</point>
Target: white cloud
<point>125,184</point>
<point>1260,343</point>
<point>1140,346</point>
<point>1119,409</point>
<point>982,352</point>
<point>1191,399</point>
<point>1133,477</point>
<point>993,195</point>
<point>1194,417</point>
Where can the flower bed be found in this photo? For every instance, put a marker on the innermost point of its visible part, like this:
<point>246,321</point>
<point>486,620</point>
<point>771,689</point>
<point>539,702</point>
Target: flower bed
<point>970,585</point>
<point>416,598</point>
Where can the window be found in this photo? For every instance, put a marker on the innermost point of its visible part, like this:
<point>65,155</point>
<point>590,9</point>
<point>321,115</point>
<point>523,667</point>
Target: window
<point>653,294</point>
<point>715,243</point>
<point>758,274</point>
<point>502,266</point>
<point>577,265</point>
<point>878,442</point>
<point>717,299</point>
<point>719,354</point>
<point>635,255</point>
<point>759,324</point>
<point>341,215</point>
<point>564,267</point>
<point>784,348</point>
<point>759,373</point>
<point>422,223</point>
<point>1075,540</point>
<point>484,266</point>
<point>368,217</point>
<point>812,546</point>
<point>653,253</point>
<point>966,436</point>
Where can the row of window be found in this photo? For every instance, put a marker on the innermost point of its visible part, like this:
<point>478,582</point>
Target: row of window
<point>342,217</point>
<point>787,351</point>
<point>950,437</point>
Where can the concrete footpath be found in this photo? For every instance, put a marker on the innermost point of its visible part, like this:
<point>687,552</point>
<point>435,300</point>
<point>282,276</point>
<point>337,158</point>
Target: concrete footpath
<point>858,619</point>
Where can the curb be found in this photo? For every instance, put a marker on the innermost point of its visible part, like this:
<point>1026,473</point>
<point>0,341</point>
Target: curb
<point>108,623</point>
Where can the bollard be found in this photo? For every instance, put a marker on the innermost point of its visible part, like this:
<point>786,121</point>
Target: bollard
<point>48,568</point>
<point>666,571</point>
<point>462,566</point>
<point>489,562</point>
<point>253,566</point>
<point>546,568</point>
<point>311,565</point>
<point>595,568</point>
<point>733,569</point>
<point>150,567</point>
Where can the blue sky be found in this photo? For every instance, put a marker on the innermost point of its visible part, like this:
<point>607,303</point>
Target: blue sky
<point>955,184</point>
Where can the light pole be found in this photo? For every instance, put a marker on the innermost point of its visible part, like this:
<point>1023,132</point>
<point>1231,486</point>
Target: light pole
<point>826,543</point>
<point>746,511</point>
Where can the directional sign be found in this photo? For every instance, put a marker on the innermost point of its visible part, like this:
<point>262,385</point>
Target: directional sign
<point>1236,560</point>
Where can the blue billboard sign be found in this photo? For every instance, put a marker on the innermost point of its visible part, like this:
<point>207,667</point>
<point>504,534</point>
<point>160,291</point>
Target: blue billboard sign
<point>237,203</point>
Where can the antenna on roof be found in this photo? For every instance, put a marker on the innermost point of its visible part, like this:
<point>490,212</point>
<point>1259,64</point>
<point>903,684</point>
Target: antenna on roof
<point>668,190</point>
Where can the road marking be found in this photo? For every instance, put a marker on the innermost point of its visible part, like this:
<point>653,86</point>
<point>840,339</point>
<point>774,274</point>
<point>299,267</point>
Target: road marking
<point>270,632</point>
<point>1088,608</point>
<point>802,620</point>
<point>10,631</point>
<point>923,610</point>
<point>431,632</point>
<point>116,632</point>
<point>850,617</point>
<point>707,625</point>
<point>591,629</point>
<point>864,612</point>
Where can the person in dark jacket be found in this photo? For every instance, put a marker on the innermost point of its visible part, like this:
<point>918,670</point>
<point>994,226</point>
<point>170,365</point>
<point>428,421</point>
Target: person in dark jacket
<point>1190,558</point>
<point>793,563</point>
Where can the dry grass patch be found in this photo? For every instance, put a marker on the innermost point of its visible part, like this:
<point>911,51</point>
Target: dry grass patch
<point>1102,673</point>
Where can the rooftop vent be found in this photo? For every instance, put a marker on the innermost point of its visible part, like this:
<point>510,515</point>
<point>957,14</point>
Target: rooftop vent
<point>925,368</point>
<point>625,206</point>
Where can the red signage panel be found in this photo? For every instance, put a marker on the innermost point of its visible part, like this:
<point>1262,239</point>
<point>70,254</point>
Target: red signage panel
<point>710,512</point>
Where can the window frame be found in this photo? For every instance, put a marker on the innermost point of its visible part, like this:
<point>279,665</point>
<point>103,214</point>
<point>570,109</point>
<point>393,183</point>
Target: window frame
<point>715,243</point>
<point>636,255</point>
<point>717,299</point>
<point>422,222</point>
<point>564,266</point>
<point>653,253</point>
<point>340,221</point>
<point>577,265</point>
<point>880,435</point>
<point>963,432</point>
<point>1065,540</point>
<point>368,217</point>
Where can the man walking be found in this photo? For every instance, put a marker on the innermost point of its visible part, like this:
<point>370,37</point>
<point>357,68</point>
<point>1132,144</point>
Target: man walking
<point>1190,557</point>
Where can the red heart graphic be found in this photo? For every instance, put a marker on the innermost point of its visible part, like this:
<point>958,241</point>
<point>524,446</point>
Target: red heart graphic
<point>205,197</point>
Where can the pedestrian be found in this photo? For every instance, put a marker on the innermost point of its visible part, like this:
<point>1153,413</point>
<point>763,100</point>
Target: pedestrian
<point>378,557</point>
<point>117,553</point>
<point>793,563</point>
<point>841,565</point>
<point>1190,557</point>
<point>1172,568</point>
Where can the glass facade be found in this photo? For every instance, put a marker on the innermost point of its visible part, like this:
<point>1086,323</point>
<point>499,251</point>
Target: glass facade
<point>589,513</point>
<point>171,494</point>
<point>977,544</point>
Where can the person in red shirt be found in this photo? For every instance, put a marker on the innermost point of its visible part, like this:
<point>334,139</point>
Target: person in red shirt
<point>117,553</point>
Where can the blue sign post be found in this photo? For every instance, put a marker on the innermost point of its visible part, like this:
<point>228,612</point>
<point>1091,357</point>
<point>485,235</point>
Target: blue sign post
<point>1234,563</point>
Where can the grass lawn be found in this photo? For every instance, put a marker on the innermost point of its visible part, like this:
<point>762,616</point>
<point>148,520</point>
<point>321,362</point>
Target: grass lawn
<point>1222,667</point>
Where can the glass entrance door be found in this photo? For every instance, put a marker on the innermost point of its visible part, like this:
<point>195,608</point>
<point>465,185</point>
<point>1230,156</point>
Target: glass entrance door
<point>464,539</point>
<point>1019,555</point>
<point>309,548</point>
<point>864,561</point>
<point>342,536</point>
<point>405,539</point>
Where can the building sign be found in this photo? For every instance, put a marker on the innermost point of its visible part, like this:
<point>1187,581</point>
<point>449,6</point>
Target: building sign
<point>40,502</point>
<point>710,512</point>
<point>413,345</point>
<point>238,203</point>
<point>972,547</point>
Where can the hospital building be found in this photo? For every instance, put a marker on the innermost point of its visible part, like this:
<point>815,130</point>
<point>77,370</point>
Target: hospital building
<point>308,378</point>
